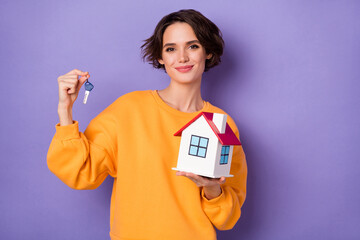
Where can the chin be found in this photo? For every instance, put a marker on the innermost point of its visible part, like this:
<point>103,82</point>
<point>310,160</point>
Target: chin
<point>186,81</point>
<point>185,77</point>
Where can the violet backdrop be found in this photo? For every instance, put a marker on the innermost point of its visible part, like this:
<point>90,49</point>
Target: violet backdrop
<point>289,77</point>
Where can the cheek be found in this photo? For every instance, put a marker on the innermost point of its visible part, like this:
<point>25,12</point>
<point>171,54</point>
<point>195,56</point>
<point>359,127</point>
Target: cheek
<point>199,58</point>
<point>169,60</point>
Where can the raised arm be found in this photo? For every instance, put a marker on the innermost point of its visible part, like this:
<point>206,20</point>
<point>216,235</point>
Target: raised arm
<point>69,87</point>
<point>81,160</point>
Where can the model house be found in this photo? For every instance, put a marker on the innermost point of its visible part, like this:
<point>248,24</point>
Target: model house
<point>206,146</point>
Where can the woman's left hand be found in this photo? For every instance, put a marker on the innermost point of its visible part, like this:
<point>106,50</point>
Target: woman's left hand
<point>211,186</point>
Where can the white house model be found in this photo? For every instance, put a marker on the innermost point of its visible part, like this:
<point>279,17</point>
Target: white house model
<point>206,146</point>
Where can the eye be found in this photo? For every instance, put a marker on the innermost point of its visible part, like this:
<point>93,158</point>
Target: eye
<point>169,49</point>
<point>194,46</point>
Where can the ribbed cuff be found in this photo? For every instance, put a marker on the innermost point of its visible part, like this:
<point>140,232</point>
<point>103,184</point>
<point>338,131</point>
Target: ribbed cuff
<point>67,132</point>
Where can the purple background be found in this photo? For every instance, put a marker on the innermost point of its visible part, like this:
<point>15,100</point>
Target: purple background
<point>289,77</point>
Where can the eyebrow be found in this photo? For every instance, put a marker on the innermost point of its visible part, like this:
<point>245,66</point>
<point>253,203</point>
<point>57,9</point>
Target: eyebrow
<point>190,42</point>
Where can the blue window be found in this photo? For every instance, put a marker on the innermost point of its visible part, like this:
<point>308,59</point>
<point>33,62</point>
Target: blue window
<point>198,146</point>
<point>224,154</point>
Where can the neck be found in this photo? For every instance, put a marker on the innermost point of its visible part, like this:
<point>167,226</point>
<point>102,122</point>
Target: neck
<point>183,97</point>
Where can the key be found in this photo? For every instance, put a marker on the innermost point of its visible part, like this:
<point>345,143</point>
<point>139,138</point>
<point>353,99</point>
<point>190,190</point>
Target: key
<point>88,88</point>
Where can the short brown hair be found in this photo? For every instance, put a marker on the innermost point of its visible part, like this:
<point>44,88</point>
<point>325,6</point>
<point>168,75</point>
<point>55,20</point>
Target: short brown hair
<point>208,34</point>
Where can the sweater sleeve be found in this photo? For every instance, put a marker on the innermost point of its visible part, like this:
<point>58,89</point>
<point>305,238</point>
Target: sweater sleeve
<point>225,210</point>
<point>83,160</point>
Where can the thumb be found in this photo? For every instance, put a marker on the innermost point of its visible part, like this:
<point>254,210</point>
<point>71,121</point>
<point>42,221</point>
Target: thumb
<point>82,80</point>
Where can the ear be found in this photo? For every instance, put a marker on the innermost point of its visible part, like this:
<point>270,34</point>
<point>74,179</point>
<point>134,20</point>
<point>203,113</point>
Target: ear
<point>209,56</point>
<point>160,61</point>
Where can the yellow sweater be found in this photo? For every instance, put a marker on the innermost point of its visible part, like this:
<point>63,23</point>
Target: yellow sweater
<point>133,141</point>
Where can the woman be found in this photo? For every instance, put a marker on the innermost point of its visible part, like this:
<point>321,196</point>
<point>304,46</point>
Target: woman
<point>132,141</point>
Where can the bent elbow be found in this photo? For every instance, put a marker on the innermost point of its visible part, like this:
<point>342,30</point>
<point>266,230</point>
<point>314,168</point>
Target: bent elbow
<point>230,223</point>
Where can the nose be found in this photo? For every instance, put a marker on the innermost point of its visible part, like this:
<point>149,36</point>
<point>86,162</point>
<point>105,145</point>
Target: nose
<point>183,56</point>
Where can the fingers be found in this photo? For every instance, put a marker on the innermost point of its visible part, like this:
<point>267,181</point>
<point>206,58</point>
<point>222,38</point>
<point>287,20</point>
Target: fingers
<point>81,82</point>
<point>201,181</point>
<point>74,77</point>
<point>222,180</point>
<point>71,81</point>
<point>68,87</point>
<point>74,74</point>
<point>195,178</point>
<point>77,72</point>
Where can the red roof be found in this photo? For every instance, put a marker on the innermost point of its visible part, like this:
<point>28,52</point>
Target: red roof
<point>227,138</point>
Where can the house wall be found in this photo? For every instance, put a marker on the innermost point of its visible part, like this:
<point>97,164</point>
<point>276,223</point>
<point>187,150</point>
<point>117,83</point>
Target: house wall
<point>222,169</point>
<point>199,165</point>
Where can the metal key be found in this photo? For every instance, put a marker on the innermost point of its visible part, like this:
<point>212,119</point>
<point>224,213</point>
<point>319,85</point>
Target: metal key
<point>88,88</point>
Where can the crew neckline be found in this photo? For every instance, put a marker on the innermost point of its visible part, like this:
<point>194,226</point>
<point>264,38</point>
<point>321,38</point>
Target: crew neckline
<point>165,106</point>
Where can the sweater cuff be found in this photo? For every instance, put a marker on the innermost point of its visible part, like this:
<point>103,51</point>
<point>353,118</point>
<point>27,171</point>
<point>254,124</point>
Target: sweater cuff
<point>67,132</point>
<point>215,201</point>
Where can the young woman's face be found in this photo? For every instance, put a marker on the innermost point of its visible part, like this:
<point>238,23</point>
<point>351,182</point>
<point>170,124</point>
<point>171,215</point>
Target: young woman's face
<point>182,49</point>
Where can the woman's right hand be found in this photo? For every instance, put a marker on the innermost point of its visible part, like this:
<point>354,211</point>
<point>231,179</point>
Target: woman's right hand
<point>69,87</point>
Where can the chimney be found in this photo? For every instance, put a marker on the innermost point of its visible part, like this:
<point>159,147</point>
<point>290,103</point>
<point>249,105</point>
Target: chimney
<point>220,121</point>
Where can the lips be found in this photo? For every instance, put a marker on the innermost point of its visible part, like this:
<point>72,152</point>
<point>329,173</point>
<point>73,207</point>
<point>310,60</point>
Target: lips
<point>184,68</point>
